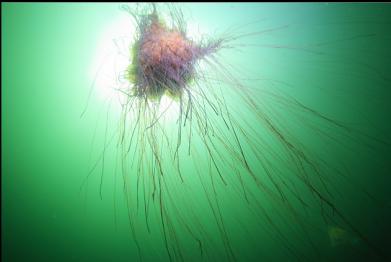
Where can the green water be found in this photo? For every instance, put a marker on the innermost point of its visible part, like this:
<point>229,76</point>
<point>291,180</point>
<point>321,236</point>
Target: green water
<point>333,58</point>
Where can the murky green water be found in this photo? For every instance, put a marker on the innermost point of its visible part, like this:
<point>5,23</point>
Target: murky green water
<point>332,58</point>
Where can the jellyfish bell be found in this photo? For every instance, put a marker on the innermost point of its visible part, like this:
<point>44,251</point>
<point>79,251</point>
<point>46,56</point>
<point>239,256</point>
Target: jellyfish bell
<point>163,59</point>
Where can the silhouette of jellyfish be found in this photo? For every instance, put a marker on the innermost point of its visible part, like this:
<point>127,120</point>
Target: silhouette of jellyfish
<point>225,149</point>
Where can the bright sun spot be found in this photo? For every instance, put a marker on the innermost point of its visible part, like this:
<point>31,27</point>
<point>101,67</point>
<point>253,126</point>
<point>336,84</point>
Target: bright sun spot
<point>112,56</point>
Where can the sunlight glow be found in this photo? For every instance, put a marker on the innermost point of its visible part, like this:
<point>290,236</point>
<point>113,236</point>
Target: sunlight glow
<point>112,56</point>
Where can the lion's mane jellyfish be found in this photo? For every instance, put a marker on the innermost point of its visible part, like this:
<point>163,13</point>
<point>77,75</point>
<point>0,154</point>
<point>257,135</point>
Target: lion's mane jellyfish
<point>227,170</point>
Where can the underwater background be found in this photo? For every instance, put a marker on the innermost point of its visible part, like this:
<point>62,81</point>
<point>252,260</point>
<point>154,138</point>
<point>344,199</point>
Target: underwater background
<point>48,56</point>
